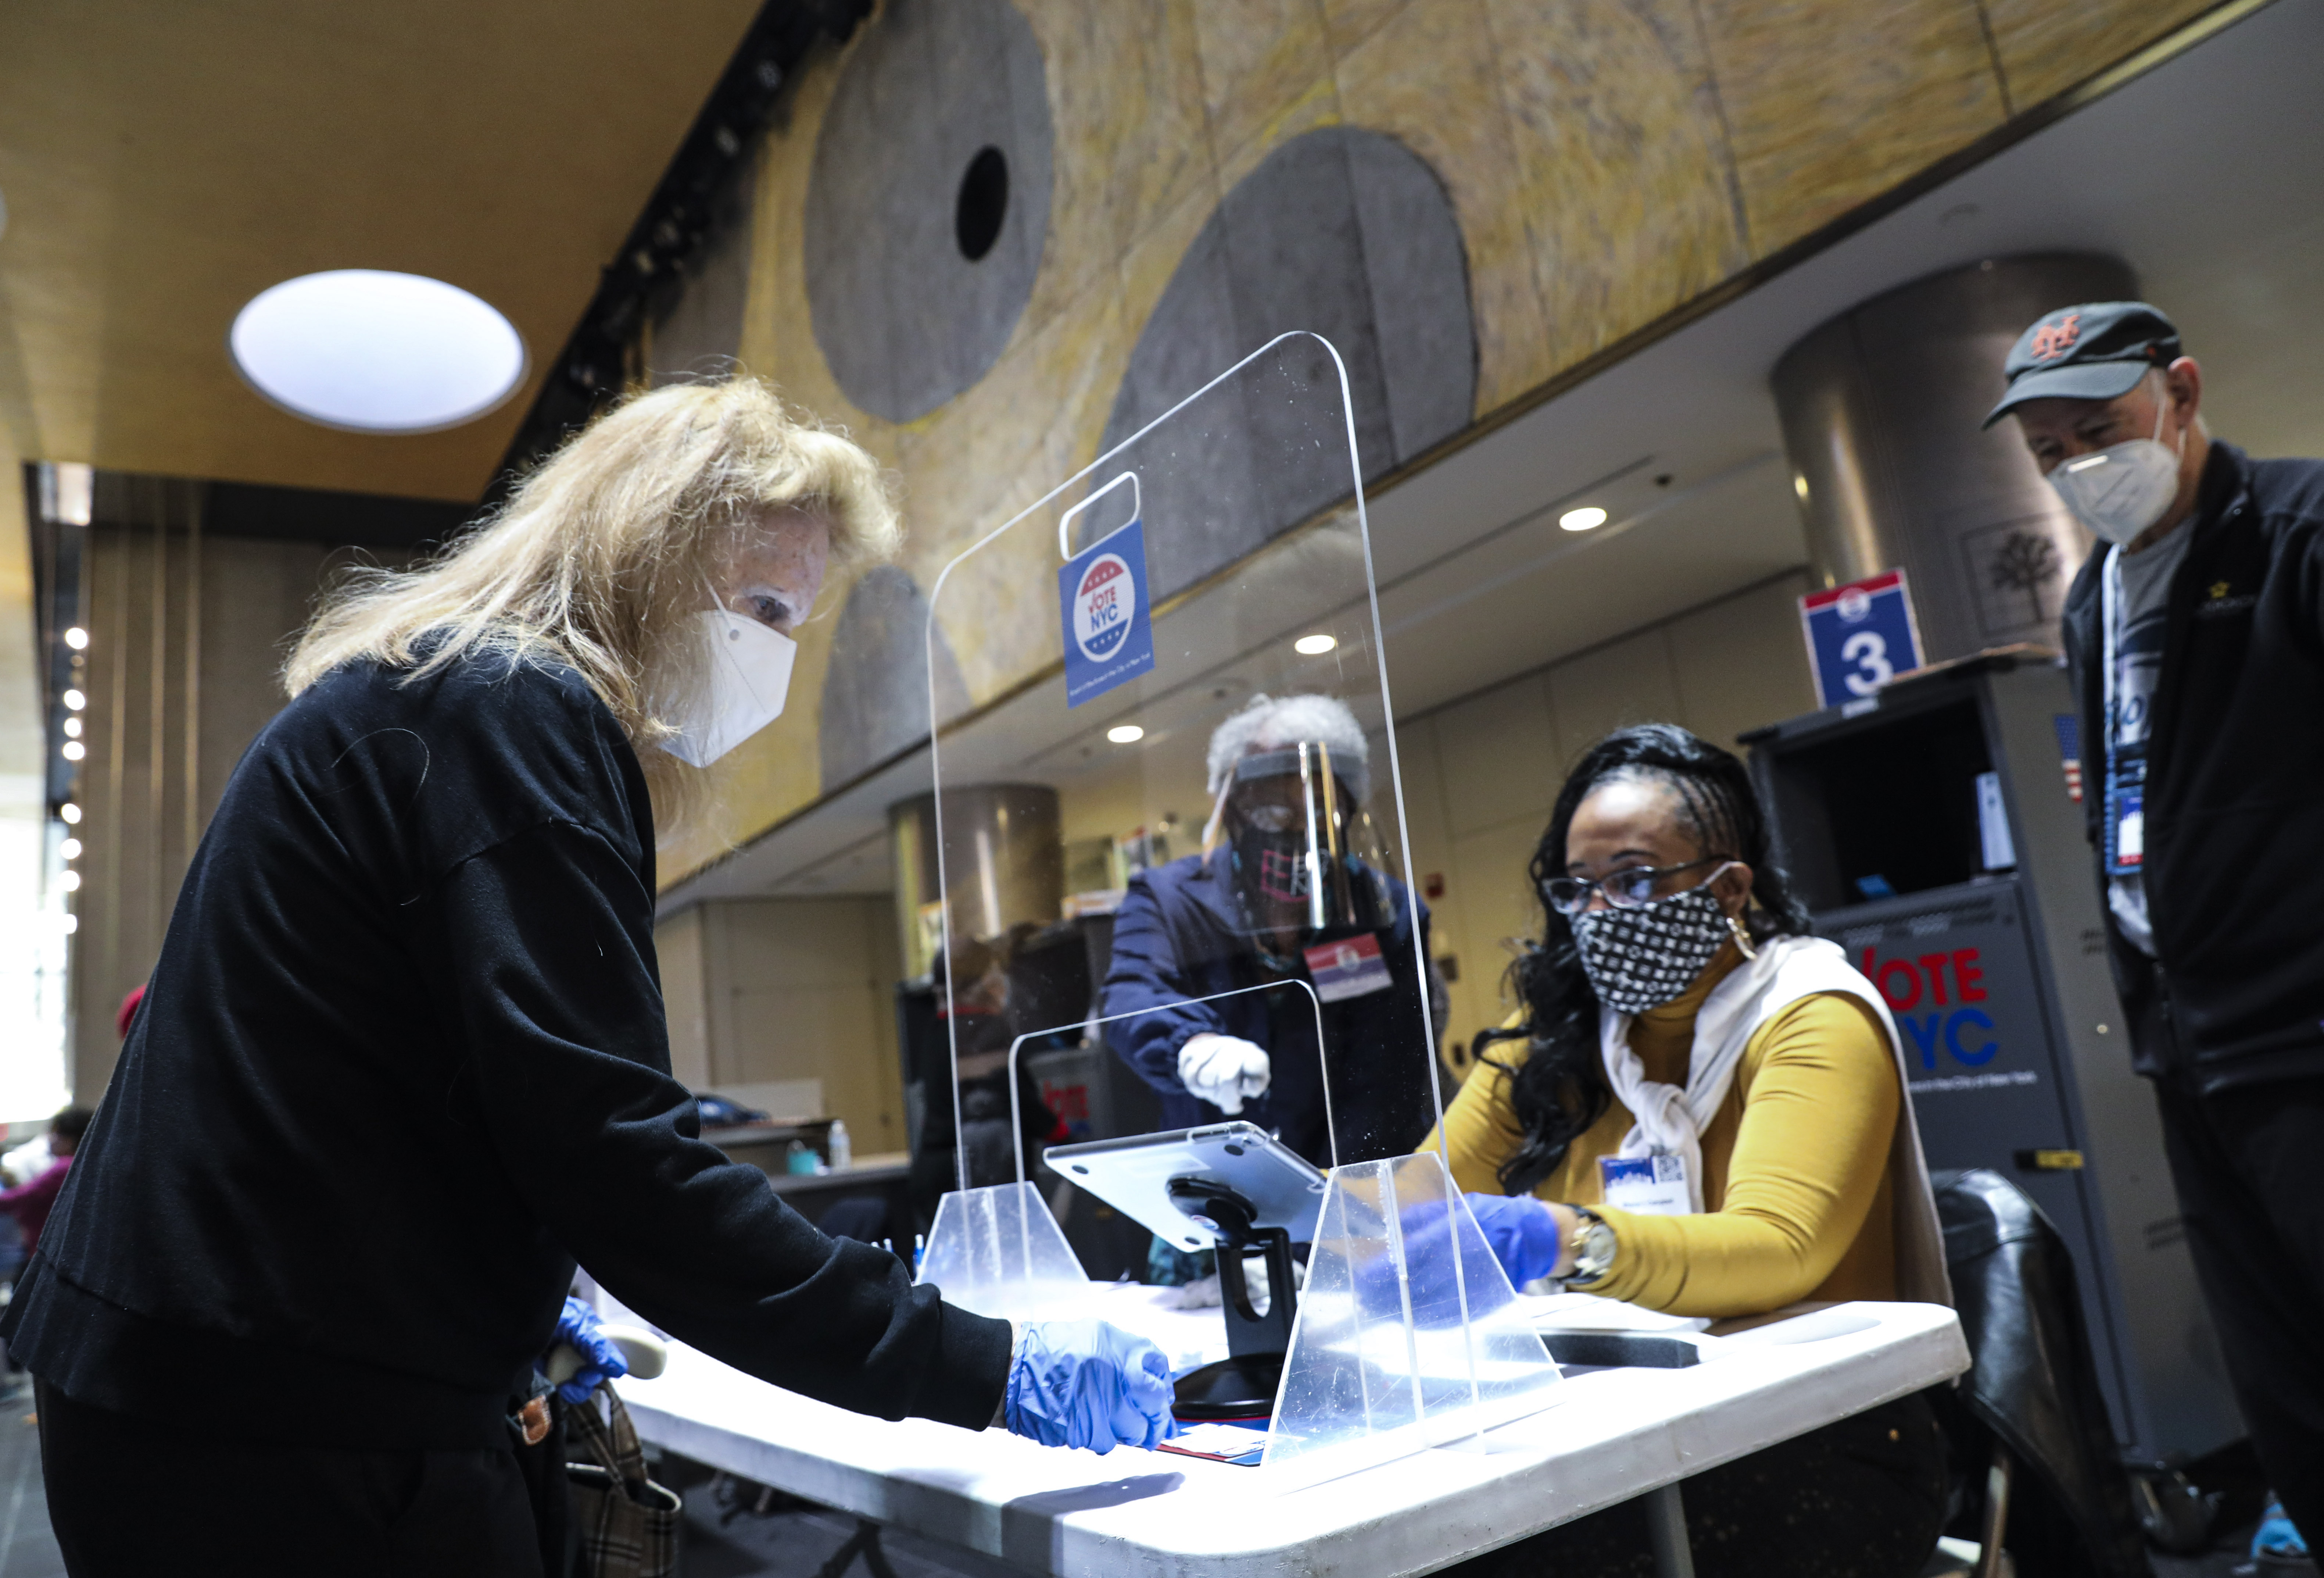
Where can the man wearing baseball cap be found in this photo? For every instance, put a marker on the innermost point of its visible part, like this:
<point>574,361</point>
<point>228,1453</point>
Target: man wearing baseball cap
<point>2195,634</point>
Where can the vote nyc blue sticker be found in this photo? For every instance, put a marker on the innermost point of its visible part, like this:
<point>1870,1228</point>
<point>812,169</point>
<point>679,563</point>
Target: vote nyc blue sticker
<point>1101,595</point>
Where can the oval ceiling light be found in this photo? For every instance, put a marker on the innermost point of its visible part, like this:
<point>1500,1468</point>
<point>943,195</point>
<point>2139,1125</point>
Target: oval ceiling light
<point>1588,518</point>
<point>1125,733</point>
<point>1314,646</point>
<point>376,351</point>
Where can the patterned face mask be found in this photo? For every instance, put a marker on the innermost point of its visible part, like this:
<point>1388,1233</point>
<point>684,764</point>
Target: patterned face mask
<point>1642,955</point>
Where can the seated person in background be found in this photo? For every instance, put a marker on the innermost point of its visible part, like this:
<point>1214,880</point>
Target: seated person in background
<point>30,1202</point>
<point>1701,1109</point>
<point>1290,775</point>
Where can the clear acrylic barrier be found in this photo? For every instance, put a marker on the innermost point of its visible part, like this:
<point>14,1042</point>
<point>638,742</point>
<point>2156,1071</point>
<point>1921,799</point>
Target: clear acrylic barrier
<point>1409,1334</point>
<point>1216,557</point>
<point>997,1251</point>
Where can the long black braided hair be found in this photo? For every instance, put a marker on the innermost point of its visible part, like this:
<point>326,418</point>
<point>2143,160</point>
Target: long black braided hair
<point>1560,1090</point>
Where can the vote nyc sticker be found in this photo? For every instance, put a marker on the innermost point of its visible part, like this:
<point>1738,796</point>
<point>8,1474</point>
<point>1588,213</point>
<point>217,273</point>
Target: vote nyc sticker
<point>1101,595</point>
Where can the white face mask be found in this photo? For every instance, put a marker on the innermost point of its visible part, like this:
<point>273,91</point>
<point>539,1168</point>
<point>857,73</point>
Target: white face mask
<point>2121,490</point>
<point>746,672</point>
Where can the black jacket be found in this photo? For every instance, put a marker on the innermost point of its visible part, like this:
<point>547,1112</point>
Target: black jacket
<point>2234,787</point>
<point>402,1061</point>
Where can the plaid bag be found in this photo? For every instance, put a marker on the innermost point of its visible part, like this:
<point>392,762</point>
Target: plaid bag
<point>626,1525</point>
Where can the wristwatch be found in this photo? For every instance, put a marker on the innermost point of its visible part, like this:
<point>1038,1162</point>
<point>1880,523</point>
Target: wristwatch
<point>1593,1247</point>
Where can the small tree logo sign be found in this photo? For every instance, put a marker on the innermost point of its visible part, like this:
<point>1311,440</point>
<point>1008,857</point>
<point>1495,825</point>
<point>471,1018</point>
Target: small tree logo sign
<point>2016,574</point>
<point>2026,565</point>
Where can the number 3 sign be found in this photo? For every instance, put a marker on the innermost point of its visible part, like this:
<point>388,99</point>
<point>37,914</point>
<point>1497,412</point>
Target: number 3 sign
<point>1861,636</point>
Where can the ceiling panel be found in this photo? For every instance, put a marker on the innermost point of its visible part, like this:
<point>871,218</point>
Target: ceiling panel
<point>163,162</point>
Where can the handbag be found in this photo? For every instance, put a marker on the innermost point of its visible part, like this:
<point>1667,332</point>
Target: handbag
<point>626,1525</point>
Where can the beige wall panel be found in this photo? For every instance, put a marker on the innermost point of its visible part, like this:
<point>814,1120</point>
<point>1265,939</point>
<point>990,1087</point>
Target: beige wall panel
<point>1627,681</point>
<point>2045,48</point>
<point>1496,901</point>
<point>677,951</point>
<point>1259,58</point>
<point>798,989</point>
<point>1349,22</point>
<point>1132,135</point>
<point>1627,179</point>
<point>1832,102</point>
<point>1742,663</point>
<point>255,598</point>
<point>1426,55</point>
<point>1427,830</point>
<point>1500,755</point>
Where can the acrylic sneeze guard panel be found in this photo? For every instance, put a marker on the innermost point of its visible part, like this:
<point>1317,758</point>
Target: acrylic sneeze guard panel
<point>1257,880</point>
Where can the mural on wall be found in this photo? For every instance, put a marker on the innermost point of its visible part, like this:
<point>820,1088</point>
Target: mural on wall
<point>875,694</point>
<point>989,238</point>
<point>1345,233</point>
<point>929,202</point>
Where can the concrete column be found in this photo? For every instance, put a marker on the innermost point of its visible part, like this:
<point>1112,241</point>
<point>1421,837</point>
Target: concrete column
<point>1880,409</point>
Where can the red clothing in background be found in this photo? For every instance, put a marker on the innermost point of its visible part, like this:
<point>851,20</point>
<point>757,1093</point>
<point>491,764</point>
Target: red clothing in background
<point>30,1203</point>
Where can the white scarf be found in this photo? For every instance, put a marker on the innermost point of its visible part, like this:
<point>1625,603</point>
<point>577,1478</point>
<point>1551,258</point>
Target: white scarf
<point>1669,1121</point>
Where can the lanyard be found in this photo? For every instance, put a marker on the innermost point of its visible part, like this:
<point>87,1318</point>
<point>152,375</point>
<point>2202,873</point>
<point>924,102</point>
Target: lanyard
<point>2125,765</point>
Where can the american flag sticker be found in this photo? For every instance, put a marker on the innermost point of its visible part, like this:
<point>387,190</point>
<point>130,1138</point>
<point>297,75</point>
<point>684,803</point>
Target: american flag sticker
<point>1350,967</point>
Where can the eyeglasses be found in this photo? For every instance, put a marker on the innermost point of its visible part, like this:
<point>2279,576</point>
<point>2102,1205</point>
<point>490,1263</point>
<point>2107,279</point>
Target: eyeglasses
<point>1624,890</point>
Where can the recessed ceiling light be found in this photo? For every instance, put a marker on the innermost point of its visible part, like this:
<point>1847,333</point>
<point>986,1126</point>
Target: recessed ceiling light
<point>377,352</point>
<point>71,924</point>
<point>69,882</point>
<point>69,849</point>
<point>70,812</point>
<point>76,639</point>
<point>1314,646</point>
<point>1588,518</point>
<point>1125,733</point>
<point>75,701</point>
<point>74,751</point>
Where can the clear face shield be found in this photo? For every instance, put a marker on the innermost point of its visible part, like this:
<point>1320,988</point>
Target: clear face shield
<point>1304,858</point>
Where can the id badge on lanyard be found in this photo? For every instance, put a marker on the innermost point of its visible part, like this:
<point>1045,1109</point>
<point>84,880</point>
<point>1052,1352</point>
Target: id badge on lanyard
<point>2125,765</point>
<point>1649,1185</point>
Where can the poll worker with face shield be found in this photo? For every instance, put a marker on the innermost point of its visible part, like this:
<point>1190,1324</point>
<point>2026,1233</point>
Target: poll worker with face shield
<point>2195,634</point>
<point>1701,1109</point>
<point>403,1060</point>
<point>1291,890</point>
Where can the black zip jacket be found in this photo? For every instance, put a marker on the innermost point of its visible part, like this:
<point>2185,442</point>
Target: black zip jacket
<point>2234,787</point>
<point>402,1061</point>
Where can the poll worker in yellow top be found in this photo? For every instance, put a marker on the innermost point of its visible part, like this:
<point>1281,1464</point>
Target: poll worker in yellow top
<point>1701,1109</point>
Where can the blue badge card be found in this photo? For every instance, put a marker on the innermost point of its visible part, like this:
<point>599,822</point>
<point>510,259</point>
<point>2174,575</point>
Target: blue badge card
<point>1101,593</point>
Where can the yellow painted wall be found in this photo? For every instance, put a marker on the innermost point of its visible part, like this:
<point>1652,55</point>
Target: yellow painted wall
<point>1608,161</point>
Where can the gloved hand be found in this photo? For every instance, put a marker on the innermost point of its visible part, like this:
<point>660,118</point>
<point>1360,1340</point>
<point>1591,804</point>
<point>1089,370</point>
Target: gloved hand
<point>1086,1383</point>
<point>1521,1232</point>
<point>578,1328</point>
<point>1224,1070</point>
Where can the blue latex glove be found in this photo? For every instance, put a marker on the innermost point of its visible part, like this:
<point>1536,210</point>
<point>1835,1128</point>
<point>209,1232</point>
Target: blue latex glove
<point>1521,1232</point>
<point>2276,1536</point>
<point>1085,1383</point>
<point>600,1361</point>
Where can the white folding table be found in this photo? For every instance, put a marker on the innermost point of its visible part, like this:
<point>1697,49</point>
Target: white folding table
<point>1610,1435</point>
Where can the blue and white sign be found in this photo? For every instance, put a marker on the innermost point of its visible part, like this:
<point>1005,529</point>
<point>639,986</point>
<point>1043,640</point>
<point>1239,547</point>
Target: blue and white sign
<point>1109,633</point>
<point>1861,636</point>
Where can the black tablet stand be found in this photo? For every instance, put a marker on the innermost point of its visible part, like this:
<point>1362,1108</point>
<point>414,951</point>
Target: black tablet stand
<point>1243,1387</point>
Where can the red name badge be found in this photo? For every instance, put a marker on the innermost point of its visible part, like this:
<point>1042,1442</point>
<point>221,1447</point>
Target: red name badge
<point>1350,967</point>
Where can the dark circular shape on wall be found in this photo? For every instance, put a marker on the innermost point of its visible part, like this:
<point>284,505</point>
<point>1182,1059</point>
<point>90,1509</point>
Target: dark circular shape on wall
<point>907,312</point>
<point>1342,232</point>
<point>875,693</point>
<point>982,204</point>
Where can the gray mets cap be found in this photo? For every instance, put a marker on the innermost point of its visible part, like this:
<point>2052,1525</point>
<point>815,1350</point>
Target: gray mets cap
<point>2096,351</point>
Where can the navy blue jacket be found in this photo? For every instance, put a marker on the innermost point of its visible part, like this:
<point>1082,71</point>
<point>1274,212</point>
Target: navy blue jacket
<point>1180,935</point>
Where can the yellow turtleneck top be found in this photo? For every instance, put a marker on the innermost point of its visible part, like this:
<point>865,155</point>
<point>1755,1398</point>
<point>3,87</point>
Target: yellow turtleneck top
<point>1796,1193</point>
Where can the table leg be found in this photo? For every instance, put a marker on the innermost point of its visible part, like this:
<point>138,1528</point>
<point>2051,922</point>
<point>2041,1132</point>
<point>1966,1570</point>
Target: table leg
<point>1666,1527</point>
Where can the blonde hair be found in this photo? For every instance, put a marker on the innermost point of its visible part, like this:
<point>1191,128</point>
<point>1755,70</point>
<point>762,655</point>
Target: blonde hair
<point>601,557</point>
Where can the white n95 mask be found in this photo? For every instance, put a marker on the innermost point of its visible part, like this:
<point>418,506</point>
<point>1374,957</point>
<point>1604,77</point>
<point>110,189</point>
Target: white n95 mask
<point>2121,490</point>
<point>746,672</point>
